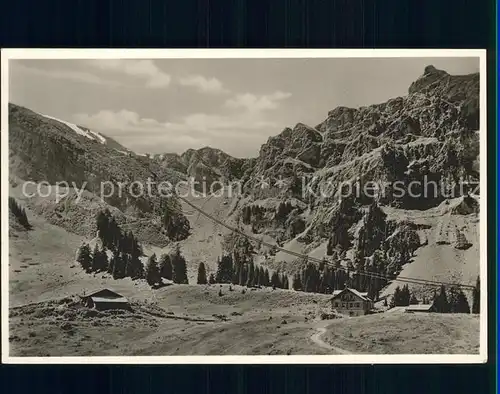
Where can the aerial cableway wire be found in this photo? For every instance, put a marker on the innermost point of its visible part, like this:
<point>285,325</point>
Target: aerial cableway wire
<point>308,258</point>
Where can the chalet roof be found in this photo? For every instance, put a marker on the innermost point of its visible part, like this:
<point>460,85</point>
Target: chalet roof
<point>419,307</point>
<point>121,300</point>
<point>363,296</point>
<point>104,293</point>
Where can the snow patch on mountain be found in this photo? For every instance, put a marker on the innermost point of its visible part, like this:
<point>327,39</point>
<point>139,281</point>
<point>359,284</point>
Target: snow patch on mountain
<point>80,131</point>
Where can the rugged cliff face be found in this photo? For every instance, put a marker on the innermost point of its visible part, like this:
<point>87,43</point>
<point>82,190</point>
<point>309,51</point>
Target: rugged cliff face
<point>430,134</point>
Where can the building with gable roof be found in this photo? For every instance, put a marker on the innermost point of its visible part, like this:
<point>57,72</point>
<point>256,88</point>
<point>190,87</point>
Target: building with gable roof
<point>105,299</point>
<point>351,302</point>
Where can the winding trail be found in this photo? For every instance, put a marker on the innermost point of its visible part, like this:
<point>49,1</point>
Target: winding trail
<point>316,338</point>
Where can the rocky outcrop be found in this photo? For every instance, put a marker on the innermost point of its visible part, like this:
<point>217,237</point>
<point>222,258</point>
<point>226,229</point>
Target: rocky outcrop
<point>429,135</point>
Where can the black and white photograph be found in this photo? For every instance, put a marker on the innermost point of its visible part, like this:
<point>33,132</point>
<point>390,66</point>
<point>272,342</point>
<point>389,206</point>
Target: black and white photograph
<point>250,206</point>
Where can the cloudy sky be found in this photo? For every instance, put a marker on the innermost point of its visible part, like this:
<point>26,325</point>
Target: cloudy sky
<point>170,105</point>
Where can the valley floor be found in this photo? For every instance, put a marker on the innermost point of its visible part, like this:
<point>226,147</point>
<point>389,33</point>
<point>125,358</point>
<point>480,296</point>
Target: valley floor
<point>404,333</point>
<point>195,320</point>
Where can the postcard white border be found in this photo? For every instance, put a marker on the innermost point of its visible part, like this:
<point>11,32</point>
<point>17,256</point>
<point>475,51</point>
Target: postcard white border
<point>8,54</point>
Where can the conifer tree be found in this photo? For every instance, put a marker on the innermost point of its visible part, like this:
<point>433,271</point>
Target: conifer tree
<point>179,269</point>
<point>165,267</point>
<point>286,285</point>
<point>236,272</point>
<point>296,283</point>
<point>441,303</point>
<point>19,213</point>
<point>275,280</point>
<point>458,301</point>
<point>224,270</point>
<point>99,260</point>
<point>202,274</point>
<point>113,261</point>
<point>84,257</point>
<point>267,280</point>
<point>251,275</point>
<point>126,265</point>
<point>104,261</point>
<point>396,298</point>
<point>137,267</point>
<point>119,266</point>
<point>152,271</point>
<point>405,296</point>
<point>243,274</point>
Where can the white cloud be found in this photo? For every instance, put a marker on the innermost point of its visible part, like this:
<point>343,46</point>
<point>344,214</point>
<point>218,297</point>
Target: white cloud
<point>143,69</point>
<point>78,76</point>
<point>255,103</point>
<point>205,85</point>
<point>238,133</point>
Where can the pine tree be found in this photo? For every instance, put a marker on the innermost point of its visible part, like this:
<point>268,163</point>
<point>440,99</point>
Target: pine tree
<point>275,280</point>
<point>104,261</point>
<point>396,298</point>
<point>267,280</point>
<point>19,213</point>
<point>96,259</point>
<point>127,265</point>
<point>179,269</point>
<point>165,267</point>
<point>202,274</point>
<point>405,296</point>
<point>224,270</point>
<point>84,257</point>
<point>243,275</point>
<point>260,276</point>
<point>251,275</point>
<point>236,272</point>
<point>458,301</point>
<point>152,271</point>
<point>137,268</point>
<point>296,283</point>
<point>476,297</point>
<point>441,303</point>
<point>113,262</point>
<point>119,266</point>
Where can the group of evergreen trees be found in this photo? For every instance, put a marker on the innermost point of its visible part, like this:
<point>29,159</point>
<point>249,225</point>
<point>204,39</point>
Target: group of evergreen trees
<point>320,278</point>
<point>244,273</point>
<point>252,213</point>
<point>19,212</point>
<point>403,297</point>
<point>120,265</point>
<point>455,301</point>
<point>171,267</point>
<point>125,249</point>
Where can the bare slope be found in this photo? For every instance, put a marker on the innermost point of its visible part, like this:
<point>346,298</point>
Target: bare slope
<point>418,333</point>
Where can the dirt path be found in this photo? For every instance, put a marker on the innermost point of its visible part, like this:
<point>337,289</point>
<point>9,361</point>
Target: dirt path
<point>316,338</point>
